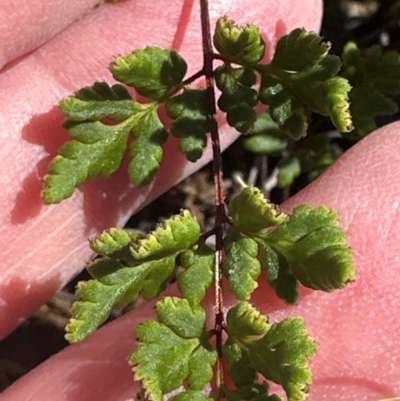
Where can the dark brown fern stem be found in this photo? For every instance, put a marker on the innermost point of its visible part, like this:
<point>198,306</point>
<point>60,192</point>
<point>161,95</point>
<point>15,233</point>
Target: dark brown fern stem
<point>220,216</point>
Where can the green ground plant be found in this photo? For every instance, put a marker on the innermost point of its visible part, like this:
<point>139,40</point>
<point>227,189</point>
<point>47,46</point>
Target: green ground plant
<point>374,76</point>
<point>179,354</point>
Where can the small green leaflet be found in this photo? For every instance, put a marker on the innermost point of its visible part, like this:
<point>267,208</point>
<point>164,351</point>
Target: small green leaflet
<point>301,77</point>
<point>99,101</point>
<point>191,122</point>
<point>178,337</point>
<point>280,352</point>
<point>170,238</point>
<point>300,50</point>
<point>375,76</point>
<point>97,149</point>
<point>253,214</point>
<point>315,248</point>
<point>153,72</point>
<point>241,265</point>
<point>116,244</point>
<point>242,45</point>
<point>237,99</point>
<point>245,321</point>
<point>198,273</point>
<point>282,355</point>
<point>307,246</point>
<point>115,286</point>
<point>146,150</point>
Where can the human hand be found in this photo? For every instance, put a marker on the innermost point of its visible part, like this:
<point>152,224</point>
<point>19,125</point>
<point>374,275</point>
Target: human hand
<point>46,245</point>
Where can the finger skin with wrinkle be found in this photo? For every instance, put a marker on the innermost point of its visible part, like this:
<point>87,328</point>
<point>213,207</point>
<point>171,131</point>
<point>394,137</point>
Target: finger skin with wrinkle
<point>44,246</point>
<point>25,25</point>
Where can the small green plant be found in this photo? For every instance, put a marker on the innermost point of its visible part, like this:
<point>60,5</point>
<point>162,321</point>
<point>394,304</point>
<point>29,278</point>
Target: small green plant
<point>179,350</point>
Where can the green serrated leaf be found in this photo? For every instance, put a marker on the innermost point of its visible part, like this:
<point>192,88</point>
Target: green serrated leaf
<point>300,50</point>
<point>99,146</point>
<point>315,248</point>
<point>282,355</point>
<point>99,101</point>
<point>152,71</point>
<point>237,99</point>
<point>279,276</point>
<point>292,86</point>
<point>191,395</point>
<point>146,150</point>
<point>241,265</point>
<point>193,358</point>
<point>244,321</point>
<point>198,273</point>
<point>243,45</point>
<point>303,220</point>
<point>177,234</point>
<point>188,323</point>
<point>116,244</point>
<point>330,98</point>
<point>191,122</point>
<point>117,285</point>
<point>253,214</point>
<point>97,149</point>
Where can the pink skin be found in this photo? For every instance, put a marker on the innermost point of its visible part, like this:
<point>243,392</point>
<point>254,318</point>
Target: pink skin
<point>44,246</point>
<point>26,25</point>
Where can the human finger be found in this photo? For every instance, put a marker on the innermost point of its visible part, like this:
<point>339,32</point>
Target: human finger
<point>26,25</point>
